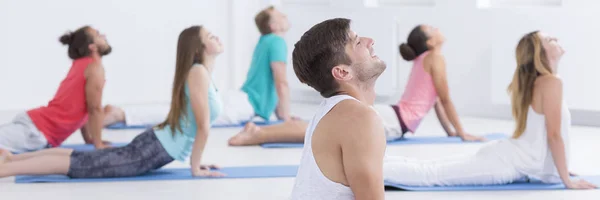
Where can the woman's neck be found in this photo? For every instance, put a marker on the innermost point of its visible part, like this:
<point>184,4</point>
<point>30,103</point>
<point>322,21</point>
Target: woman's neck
<point>554,67</point>
<point>435,49</point>
<point>209,63</point>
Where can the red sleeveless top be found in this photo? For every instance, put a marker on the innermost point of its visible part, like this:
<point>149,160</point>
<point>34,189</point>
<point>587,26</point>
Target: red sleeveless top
<point>67,111</point>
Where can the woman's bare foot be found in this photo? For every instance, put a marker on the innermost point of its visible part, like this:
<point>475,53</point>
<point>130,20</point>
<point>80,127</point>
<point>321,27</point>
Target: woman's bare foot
<point>452,134</point>
<point>5,156</point>
<point>248,136</point>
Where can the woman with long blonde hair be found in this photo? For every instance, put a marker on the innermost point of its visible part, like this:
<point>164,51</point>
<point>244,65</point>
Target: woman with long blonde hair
<point>539,147</point>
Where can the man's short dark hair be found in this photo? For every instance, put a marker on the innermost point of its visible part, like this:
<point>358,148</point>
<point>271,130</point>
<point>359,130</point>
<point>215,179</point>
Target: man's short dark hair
<point>319,50</point>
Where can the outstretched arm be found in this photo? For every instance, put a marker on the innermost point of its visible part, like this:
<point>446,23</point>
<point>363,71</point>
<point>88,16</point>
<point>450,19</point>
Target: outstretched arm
<point>278,60</point>
<point>86,136</point>
<point>198,83</point>
<point>443,118</point>
<point>93,92</point>
<point>283,90</point>
<point>438,72</point>
<point>552,107</point>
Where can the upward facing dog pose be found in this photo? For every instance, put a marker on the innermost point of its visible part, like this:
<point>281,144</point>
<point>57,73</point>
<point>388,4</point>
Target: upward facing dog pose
<point>194,105</point>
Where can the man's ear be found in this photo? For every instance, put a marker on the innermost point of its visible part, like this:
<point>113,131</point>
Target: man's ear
<point>93,47</point>
<point>273,26</point>
<point>342,72</point>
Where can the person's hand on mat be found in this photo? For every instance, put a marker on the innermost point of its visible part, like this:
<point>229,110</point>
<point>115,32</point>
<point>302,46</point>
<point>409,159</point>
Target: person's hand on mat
<point>581,184</point>
<point>469,137</point>
<point>206,173</point>
<point>207,167</point>
<point>285,119</point>
<point>103,142</point>
<point>104,145</point>
<point>573,174</point>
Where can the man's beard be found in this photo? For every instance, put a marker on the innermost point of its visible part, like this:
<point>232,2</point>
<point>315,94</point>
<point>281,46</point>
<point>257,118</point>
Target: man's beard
<point>370,73</point>
<point>105,51</point>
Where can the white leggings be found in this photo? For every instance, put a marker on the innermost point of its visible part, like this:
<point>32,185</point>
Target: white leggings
<point>390,121</point>
<point>483,168</point>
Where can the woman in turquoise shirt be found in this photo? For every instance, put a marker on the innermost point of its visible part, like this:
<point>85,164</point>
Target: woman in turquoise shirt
<point>195,104</point>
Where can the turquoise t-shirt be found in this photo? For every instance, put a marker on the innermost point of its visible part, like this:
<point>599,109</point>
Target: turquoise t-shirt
<point>260,84</point>
<point>180,145</point>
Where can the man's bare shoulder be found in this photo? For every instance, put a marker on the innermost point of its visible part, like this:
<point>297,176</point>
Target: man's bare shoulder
<point>353,117</point>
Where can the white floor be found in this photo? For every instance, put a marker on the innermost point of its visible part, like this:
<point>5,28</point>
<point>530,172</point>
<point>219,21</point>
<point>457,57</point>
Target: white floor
<point>585,161</point>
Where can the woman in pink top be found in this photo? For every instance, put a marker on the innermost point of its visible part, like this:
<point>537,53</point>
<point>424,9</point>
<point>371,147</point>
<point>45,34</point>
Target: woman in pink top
<point>427,87</point>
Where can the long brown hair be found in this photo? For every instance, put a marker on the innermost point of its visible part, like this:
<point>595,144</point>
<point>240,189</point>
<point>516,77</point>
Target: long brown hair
<point>532,62</point>
<point>190,50</point>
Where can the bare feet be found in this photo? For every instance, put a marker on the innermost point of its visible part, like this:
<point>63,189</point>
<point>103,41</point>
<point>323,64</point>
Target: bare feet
<point>5,156</point>
<point>248,136</point>
<point>452,134</point>
<point>113,114</point>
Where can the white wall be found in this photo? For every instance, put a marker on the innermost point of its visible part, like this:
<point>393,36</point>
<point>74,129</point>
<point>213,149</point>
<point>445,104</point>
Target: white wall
<point>244,36</point>
<point>481,36</point>
<point>389,24</point>
<point>143,35</point>
<point>577,33</point>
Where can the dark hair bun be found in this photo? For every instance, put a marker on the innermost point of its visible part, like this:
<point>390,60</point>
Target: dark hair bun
<point>407,52</point>
<point>65,39</point>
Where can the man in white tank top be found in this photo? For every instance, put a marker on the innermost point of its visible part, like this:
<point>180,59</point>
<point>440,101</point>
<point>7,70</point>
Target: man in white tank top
<point>345,141</point>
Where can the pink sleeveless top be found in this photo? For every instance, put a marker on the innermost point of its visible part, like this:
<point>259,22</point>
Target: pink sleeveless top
<point>419,95</point>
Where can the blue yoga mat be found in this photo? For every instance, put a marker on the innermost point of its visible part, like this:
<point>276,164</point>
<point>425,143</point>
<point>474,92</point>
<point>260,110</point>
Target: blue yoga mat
<point>121,125</point>
<point>402,141</point>
<point>84,147</point>
<point>87,147</point>
<point>518,185</point>
<point>174,174</point>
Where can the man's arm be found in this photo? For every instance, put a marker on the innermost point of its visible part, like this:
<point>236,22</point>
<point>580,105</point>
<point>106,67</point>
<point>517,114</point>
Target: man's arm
<point>93,92</point>
<point>363,147</point>
<point>283,90</point>
<point>86,136</point>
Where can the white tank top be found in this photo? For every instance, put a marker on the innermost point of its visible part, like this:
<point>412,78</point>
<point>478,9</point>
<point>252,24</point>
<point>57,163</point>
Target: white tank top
<point>311,184</point>
<point>533,156</point>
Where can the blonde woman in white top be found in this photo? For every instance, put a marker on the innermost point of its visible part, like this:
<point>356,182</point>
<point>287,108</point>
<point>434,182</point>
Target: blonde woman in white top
<point>539,148</point>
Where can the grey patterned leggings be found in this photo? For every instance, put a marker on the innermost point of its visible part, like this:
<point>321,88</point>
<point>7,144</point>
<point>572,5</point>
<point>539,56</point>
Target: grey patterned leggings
<point>143,154</point>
